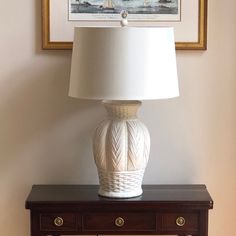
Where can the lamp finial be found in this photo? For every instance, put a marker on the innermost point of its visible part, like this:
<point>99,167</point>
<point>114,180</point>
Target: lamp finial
<point>124,15</point>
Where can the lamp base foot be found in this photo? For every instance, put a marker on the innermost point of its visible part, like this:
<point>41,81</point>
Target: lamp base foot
<point>131,194</point>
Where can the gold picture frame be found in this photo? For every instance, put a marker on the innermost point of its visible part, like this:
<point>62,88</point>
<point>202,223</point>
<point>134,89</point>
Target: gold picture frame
<point>200,44</point>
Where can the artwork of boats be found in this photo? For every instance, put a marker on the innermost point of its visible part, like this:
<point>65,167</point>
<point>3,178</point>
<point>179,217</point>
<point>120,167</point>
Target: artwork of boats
<point>132,6</point>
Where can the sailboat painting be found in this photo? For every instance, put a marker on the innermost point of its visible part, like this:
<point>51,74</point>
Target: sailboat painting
<point>154,10</point>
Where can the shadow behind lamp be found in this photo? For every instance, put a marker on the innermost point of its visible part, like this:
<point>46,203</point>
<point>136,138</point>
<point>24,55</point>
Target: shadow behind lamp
<point>121,67</point>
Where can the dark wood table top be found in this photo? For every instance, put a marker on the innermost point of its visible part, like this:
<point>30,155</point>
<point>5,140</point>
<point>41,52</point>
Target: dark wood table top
<point>82,194</point>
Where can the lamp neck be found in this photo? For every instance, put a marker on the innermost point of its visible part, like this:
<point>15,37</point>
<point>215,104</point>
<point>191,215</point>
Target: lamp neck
<point>122,109</point>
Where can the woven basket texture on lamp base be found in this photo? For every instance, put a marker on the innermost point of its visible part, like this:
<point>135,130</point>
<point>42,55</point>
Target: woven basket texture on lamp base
<point>121,150</point>
<point>123,184</point>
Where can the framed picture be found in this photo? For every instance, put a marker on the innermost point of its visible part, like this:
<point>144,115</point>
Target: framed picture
<point>188,17</point>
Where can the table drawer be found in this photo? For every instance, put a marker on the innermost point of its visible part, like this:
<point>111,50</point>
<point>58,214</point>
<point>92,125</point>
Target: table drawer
<point>180,222</point>
<point>58,222</point>
<point>120,221</point>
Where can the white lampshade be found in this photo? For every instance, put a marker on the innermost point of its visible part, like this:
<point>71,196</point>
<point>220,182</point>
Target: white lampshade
<point>124,63</point>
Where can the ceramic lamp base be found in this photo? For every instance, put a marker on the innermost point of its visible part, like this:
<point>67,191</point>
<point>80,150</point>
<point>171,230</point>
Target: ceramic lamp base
<point>121,150</point>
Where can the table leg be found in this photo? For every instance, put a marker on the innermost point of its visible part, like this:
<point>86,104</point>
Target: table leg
<point>203,220</point>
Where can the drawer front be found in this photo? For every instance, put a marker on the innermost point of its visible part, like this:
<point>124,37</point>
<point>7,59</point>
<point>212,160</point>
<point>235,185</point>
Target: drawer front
<point>121,221</point>
<point>180,222</point>
<point>58,222</point>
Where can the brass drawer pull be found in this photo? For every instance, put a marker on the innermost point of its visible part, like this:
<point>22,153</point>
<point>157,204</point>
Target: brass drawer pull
<point>58,221</point>
<point>119,222</point>
<point>180,221</point>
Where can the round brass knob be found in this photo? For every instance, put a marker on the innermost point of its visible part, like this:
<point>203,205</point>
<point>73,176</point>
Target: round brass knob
<point>119,222</point>
<point>180,221</point>
<point>58,221</point>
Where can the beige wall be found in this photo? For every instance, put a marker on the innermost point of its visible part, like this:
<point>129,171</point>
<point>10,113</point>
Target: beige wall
<point>45,136</point>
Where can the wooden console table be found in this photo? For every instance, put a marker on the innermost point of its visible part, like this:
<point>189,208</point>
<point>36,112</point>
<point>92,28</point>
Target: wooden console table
<point>77,209</point>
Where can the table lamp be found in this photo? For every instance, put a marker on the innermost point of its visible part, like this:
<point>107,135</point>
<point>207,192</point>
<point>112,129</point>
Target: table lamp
<point>122,67</point>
